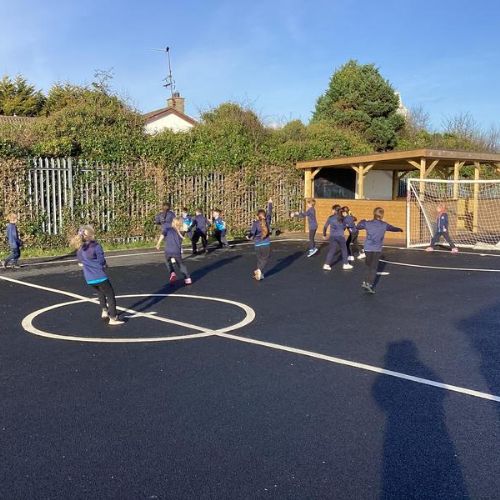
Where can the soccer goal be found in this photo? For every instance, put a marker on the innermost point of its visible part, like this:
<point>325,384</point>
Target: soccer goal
<point>473,209</point>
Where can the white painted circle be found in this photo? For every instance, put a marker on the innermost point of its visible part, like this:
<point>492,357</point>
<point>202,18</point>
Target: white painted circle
<point>27,322</point>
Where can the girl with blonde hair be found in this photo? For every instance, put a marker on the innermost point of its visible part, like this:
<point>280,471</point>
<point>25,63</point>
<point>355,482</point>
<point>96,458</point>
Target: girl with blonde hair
<point>90,256</point>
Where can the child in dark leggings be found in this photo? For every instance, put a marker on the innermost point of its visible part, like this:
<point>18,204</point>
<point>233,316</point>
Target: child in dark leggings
<point>337,241</point>
<point>310,215</point>
<point>442,229</point>
<point>173,251</point>
<point>199,226</point>
<point>91,257</point>
<point>260,232</point>
<point>375,233</point>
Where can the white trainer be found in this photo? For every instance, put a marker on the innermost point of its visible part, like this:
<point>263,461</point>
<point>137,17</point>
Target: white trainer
<point>350,258</point>
<point>115,321</point>
<point>326,267</point>
<point>104,314</point>
<point>347,266</point>
<point>362,255</point>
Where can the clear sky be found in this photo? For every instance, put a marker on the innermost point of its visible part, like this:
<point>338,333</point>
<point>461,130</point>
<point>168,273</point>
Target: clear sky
<point>275,55</point>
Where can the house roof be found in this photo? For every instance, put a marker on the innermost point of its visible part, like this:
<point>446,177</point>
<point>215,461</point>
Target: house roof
<point>16,120</point>
<point>404,160</point>
<point>160,113</point>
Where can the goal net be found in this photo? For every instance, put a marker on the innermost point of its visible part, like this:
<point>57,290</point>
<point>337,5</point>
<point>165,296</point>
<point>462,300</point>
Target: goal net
<point>473,209</point>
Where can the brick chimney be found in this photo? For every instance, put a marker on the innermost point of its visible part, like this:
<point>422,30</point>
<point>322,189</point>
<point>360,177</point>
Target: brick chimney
<point>176,102</point>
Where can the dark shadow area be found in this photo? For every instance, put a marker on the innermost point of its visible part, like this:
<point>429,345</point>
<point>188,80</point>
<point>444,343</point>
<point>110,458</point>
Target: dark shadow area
<point>419,458</point>
<point>482,331</point>
<point>148,302</point>
<point>283,263</point>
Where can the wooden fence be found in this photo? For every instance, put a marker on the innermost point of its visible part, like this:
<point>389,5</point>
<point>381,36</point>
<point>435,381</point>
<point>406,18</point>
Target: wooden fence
<point>57,194</point>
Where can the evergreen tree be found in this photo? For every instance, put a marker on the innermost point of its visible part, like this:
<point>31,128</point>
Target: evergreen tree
<point>18,97</point>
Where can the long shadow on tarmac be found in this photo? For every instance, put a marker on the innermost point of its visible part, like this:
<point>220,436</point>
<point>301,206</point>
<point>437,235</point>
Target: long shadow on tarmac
<point>148,302</point>
<point>419,457</point>
<point>283,263</point>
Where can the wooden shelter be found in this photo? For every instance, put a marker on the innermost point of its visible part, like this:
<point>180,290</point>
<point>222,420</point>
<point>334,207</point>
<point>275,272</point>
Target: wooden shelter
<point>346,180</point>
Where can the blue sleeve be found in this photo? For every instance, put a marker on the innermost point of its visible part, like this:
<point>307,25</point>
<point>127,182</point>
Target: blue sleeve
<point>269,213</point>
<point>253,230</point>
<point>301,215</point>
<point>361,225</point>
<point>99,255</point>
<point>325,227</point>
<point>393,229</point>
<point>445,222</point>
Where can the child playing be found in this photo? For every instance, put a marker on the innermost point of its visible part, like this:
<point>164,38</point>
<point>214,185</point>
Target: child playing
<point>352,240</point>
<point>164,219</point>
<point>219,228</point>
<point>375,232</point>
<point>199,227</point>
<point>260,232</point>
<point>442,229</point>
<point>90,256</point>
<point>173,250</point>
<point>337,241</point>
<point>15,242</point>
<point>186,222</point>
<point>310,214</point>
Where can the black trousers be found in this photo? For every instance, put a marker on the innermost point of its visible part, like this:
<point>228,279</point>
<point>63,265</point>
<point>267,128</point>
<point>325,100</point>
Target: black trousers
<point>15,253</point>
<point>263,254</point>
<point>177,261</point>
<point>352,244</point>
<point>196,236</point>
<point>445,235</point>
<point>312,234</point>
<point>220,236</point>
<point>337,243</point>
<point>106,296</point>
<point>372,259</point>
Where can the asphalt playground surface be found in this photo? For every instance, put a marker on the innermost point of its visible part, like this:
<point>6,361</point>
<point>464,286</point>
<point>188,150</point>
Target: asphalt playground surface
<point>327,392</point>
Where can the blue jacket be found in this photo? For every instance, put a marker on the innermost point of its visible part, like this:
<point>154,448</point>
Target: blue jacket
<point>310,213</point>
<point>186,223</point>
<point>173,242</point>
<point>199,223</point>
<point>337,227</point>
<point>256,229</point>
<point>91,255</point>
<point>375,233</point>
<point>350,224</point>
<point>165,219</point>
<point>442,223</point>
<point>13,235</point>
<point>219,224</point>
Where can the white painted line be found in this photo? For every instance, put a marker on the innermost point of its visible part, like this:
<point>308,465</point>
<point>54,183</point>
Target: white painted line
<point>223,333</point>
<point>461,252</point>
<point>441,268</point>
<point>362,366</point>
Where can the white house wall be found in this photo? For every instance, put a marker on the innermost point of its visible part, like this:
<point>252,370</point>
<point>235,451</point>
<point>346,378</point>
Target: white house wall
<point>171,122</point>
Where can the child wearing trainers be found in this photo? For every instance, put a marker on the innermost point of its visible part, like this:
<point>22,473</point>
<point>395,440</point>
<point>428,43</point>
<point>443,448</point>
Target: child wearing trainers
<point>260,232</point>
<point>375,233</point>
<point>14,241</point>
<point>199,226</point>
<point>310,215</point>
<point>91,257</point>
<point>164,219</point>
<point>173,251</point>
<point>219,228</point>
<point>336,241</point>
<point>186,222</point>
<point>353,248</point>
<point>442,229</point>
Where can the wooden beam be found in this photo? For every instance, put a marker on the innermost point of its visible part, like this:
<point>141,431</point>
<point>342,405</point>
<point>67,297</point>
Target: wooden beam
<point>456,176</point>
<point>361,171</point>
<point>395,184</point>
<point>315,172</point>
<point>475,199</point>
<point>414,163</point>
<point>308,186</point>
<point>431,167</point>
<point>422,169</point>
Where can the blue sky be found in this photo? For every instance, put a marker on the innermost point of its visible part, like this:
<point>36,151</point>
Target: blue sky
<point>276,56</point>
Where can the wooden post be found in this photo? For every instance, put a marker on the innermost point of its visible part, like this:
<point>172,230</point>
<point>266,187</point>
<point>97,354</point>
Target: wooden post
<point>423,175</point>
<point>361,171</point>
<point>475,201</point>
<point>308,184</point>
<point>456,177</point>
<point>395,184</point>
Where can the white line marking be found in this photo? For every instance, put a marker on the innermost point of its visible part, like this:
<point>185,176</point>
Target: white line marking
<point>362,366</point>
<point>462,252</point>
<point>441,268</point>
<point>332,359</point>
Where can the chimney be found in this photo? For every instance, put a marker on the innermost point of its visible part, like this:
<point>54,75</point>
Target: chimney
<point>176,102</point>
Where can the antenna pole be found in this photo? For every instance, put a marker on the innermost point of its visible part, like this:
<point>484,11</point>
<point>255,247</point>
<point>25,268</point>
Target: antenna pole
<point>169,77</point>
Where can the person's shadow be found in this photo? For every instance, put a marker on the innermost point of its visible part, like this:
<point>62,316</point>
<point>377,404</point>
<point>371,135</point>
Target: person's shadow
<point>147,303</point>
<point>283,263</point>
<point>419,459</point>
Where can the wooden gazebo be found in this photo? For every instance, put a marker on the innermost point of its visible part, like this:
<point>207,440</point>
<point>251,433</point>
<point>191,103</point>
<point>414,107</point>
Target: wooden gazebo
<point>370,189</point>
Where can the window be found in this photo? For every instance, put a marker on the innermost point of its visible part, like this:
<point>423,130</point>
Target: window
<point>335,183</point>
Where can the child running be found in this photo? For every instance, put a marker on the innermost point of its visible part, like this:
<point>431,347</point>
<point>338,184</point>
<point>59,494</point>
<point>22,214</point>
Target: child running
<point>199,226</point>
<point>164,219</point>
<point>14,241</point>
<point>260,233</point>
<point>336,241</point>
<point>312,223</point>
<point>186,222</point>
<point>90,255</point>
<point>442,229</point>
<point>173,251</point>
<point>375,233</point>
<point>219,229</point>
<point>353,248</point>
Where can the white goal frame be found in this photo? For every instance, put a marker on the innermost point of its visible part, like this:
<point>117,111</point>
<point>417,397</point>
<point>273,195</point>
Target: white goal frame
<point>415,208</point>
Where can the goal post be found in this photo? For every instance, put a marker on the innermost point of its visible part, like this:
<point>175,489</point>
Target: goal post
<point>473,208</point>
